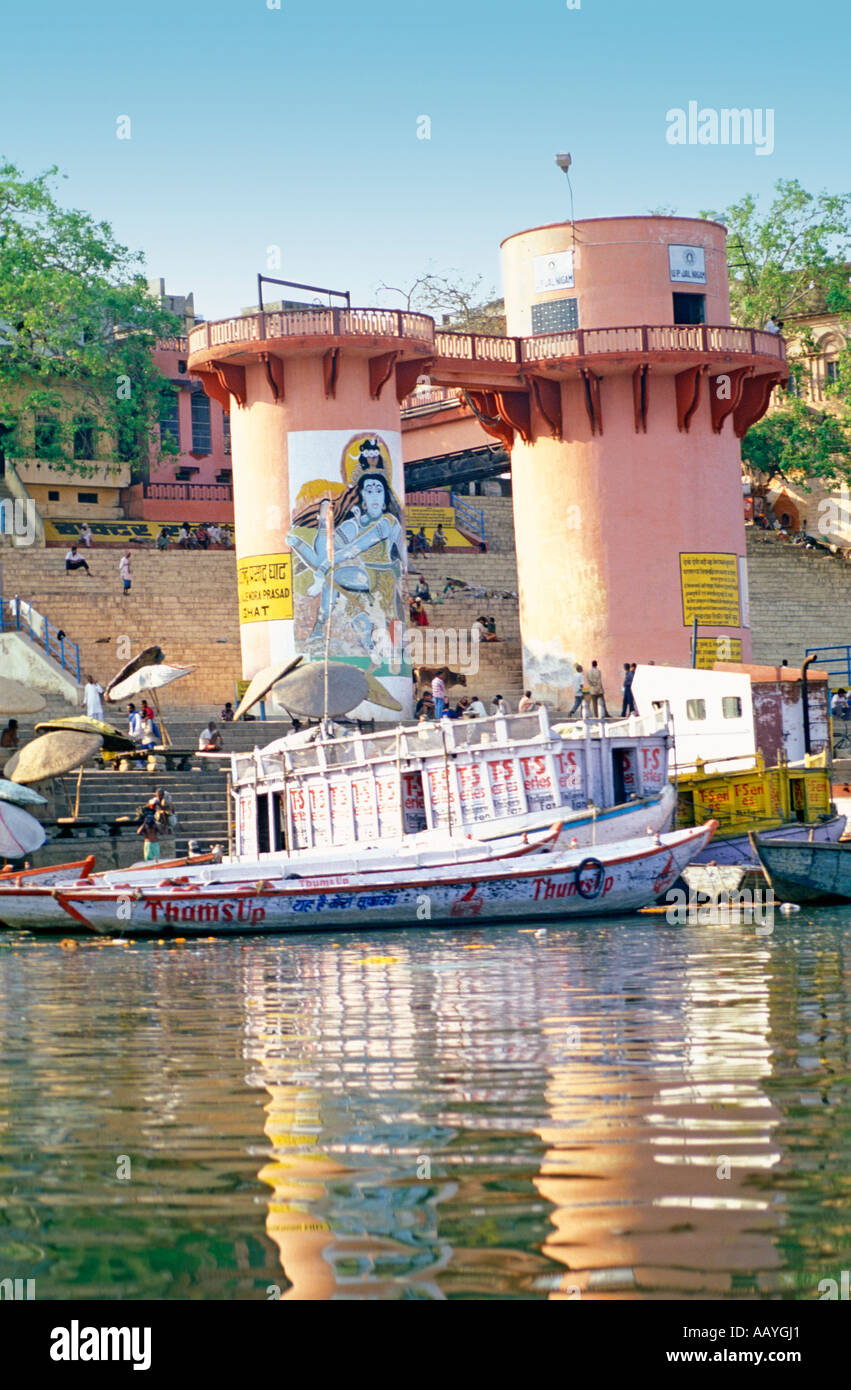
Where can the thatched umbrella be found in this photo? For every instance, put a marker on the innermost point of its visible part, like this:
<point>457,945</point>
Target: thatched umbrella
<point>16,698</point>
<point>262,683</point>
<point>151,678</point>
<point>51,755</point>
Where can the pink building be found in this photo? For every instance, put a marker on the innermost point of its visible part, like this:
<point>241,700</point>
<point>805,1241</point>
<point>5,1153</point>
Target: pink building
<point>197,484</point>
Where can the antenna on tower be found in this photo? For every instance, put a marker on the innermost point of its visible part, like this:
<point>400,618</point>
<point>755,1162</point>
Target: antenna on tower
<point>564,161</point>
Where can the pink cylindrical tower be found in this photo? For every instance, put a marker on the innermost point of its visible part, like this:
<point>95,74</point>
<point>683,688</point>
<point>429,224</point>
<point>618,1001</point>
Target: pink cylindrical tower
<point>626,469</point>
<point>319,493</point>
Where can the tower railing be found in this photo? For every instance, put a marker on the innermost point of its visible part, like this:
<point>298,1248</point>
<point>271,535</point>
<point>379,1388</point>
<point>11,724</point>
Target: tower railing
<point>484,347</point>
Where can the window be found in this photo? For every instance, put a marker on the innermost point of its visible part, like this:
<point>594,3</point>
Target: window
<point>689,308</point>
<point>87,497</point>
<point>170,421</point>
<point>200,423</point>
<point>225,432</point>
<point>46,436</point>
<point>831,372</point>
<point>84,439</point>
<point>731,707</point>
<point>695,709</point>
<point>53,495</point>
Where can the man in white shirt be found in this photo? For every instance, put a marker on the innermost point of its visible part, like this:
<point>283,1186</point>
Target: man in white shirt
<point>210,740</point>
<point>475,709</point>
<point>92,698</point>
<point>75,561</point>
<point>86,536</point>
<point>134,724</point>
<point>124,570</point>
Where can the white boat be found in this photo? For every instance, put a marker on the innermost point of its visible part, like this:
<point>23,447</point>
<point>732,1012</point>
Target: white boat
<point>422,797</point>
<point>532,887</point>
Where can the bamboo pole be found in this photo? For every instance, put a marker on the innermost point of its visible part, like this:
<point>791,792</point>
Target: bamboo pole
<point>77,797</point>
<point>166,736</point>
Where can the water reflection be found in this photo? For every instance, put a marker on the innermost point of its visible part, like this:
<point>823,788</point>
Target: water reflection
<point>606,1111</point>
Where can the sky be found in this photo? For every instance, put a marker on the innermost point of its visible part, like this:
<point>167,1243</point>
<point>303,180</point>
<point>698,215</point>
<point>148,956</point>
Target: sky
<point>290,140</point>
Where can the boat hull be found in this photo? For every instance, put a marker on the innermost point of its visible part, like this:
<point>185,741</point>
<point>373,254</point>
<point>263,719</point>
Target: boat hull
<point>806,873</point>
<point>536,887</point>
<point>737,849</point>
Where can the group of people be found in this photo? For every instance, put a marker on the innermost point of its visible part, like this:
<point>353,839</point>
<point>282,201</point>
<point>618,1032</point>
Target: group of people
<point>142,726</point>
<point>75,561</point>
<point>590,697</point>
<point>421,545</point>
<point>199,537</point>
<point>433,705</point>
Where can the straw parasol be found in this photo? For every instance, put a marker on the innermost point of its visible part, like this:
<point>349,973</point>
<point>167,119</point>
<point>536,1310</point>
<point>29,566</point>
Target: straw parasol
<point>16,698</point>
<point>262,683</point>
<point>151,656</point>
<point>320,689</point>
<point>20,833</point>
<point>20,796</point>
<point>114,741</point>
<point>51,755</point>
<point>151,678</point>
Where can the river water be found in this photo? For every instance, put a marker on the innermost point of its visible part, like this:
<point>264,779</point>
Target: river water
<point>607,1109</point>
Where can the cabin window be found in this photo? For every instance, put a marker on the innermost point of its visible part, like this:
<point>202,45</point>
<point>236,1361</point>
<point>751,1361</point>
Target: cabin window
<point>695,709</point>
<point>731,707</point>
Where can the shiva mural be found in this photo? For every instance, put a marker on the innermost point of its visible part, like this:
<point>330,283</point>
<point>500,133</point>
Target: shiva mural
<point>349,549</point>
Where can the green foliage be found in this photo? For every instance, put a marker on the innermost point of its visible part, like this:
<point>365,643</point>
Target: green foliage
<point>791,260</point>
<point>74,311</point>
<point>790,264</point>
<point>799,440</point>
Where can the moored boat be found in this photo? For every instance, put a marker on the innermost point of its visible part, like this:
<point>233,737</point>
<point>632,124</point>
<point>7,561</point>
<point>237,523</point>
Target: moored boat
<point>808,871</point>
<point>532,886</point>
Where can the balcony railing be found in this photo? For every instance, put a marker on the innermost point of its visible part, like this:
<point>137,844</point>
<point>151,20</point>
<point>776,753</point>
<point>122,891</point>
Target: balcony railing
<point>481,347</point>
<point>313,323</point>
<point>188,492</point>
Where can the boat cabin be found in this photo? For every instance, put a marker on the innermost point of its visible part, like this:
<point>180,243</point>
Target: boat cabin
<point>311,790</point>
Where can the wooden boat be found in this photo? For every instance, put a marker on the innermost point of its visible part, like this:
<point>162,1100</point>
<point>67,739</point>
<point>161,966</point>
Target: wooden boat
<point>37,884</point>
<point>805,871</point>
<point>534,886</point>
<point>736,851</point>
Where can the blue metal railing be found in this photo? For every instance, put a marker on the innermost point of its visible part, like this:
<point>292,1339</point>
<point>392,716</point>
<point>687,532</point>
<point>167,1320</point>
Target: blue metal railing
<point>17,616</point>
<point>472,517</point>
<point>835,660</point>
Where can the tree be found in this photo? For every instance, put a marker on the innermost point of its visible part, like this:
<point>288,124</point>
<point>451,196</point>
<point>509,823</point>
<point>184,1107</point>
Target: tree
<point>77,326</point>
<point>791,264</point>
<point>464,306</point>
<point>799,440</point>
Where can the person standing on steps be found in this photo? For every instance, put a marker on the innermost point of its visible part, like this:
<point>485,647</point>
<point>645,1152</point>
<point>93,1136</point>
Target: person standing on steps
<point>124,570</point>
<point>579,690</point>
<point>596,694</point>
<point>92,698</point>
<point>438,693</point>
<point>628,706</point>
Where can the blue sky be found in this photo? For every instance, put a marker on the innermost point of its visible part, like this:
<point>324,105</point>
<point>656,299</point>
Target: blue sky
<point>297,127</point>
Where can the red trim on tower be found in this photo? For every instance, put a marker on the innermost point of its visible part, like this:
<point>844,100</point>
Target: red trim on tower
<point>548,400</point>
<point>689,385</point>
<point>380,368</point>
<point>756,393</point>
<point>274,374</point>
<point>722,406</point>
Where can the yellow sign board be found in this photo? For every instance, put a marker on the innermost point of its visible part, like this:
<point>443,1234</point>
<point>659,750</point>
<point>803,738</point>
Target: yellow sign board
<point>58,532</point>
<point>265,588</point>
<point>710,586</point>
<point>712,649</point>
